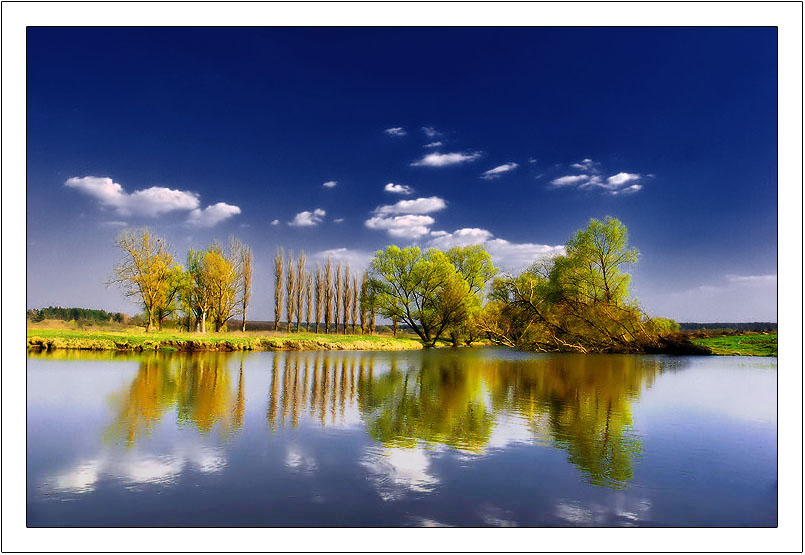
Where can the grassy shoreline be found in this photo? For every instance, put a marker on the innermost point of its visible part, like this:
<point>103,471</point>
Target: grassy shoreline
<point>752,345</point>
<point>137,341</point>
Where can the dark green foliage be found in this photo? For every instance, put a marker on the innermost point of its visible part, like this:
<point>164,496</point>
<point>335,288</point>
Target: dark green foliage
<point>67,314</point>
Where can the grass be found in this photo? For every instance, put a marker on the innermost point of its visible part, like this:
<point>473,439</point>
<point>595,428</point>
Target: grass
<point>755,345</point>
<point>134,339</point>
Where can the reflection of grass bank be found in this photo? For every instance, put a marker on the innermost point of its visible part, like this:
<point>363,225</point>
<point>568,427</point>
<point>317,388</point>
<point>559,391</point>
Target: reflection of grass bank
<point>756,345</point>
<point>134,340</point>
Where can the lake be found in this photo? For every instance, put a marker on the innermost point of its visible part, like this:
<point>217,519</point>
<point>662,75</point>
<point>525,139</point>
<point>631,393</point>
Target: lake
<point>466,437</point>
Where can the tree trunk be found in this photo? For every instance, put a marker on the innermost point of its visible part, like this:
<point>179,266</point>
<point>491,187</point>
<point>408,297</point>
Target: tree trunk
<point>243,328</point>
<point>203,322</point>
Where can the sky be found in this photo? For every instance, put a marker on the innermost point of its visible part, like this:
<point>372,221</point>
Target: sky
<point>341,141</point>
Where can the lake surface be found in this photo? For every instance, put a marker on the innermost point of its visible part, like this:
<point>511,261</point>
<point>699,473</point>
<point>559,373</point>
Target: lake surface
<point>468,437</point>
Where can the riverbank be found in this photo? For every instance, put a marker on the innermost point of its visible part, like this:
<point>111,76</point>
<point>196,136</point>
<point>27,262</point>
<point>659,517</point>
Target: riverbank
<point>748,345</point>
<point>137,341</point>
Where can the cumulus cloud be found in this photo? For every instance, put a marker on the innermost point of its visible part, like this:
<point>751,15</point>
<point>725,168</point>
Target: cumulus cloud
<point>275,222</point>
<point>505,254</point>
<point>496,172</point>
<point>621,183</point>
<point>212,215</point>
<point>398,189</point>
<point>308,218</point>
<point>329,184</point>
<point>438,159</point>
<point>424,205</point>
<point>151,202</point>
<point>395,131</point>
<point>570,180</point>
<point>409,226</point>
<point>434,144</point>
<point>621,178</point>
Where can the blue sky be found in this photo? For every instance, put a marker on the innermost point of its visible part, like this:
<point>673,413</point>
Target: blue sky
<point>345,140</point>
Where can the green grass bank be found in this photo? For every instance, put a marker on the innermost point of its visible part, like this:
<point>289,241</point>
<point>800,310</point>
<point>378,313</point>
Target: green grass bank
<point>754,345</point>
<point>136,341</point>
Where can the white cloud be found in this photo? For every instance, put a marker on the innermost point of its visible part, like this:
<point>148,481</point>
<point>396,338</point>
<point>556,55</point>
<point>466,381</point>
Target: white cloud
<point>212,215</point>
<point>356,258</point>
<point>408,226</point>
<point>151,202</point>
<point>506,255</point>
<point>437,159</point>
<point>398,189</point>
<point>759,280</point>
<point>532,160</point>
<point>570,180</point>
<point>430,132</point>
<point>329,184</point>
<point>275,222</point>
<point>114,223</point>
<point>499,170</point>
<point>434,144</point>
<point>424,205</point>
<point>460,237</point>
<point>620,178</point>
<point>307,218</point>
<point>338,220</point>
<point>395,131</point>
<point>628,190</point>
<point>585,165</point>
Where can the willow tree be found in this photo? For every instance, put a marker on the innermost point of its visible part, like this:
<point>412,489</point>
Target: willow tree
<point>422,289</point>
<point>279,255</point>
<point>145,269</point>
<point>221,280</point>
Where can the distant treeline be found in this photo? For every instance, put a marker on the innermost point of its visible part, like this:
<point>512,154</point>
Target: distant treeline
<point>59,313</point>
<point>738,326</point>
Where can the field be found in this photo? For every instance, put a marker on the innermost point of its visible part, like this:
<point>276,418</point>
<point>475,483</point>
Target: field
<point>758,345</point>
<point>134,339</point>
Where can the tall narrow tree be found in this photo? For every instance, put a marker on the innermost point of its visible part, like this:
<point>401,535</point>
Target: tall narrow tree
<point>364,300</point>
<point>319,296</point>
<point>355,300</point>
<point>278,290</point>
<point>346,298</point>
<point>328,295</point>
<point>290,290</point>
<point>338,293</point>
<point>246,258</point>
<point>309,291</point>
<point>300,285</point>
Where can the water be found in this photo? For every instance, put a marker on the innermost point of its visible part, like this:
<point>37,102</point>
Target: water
<point>471,437</point>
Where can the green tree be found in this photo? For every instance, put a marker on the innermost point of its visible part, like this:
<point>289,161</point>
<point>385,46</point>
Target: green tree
<point>424,290</point>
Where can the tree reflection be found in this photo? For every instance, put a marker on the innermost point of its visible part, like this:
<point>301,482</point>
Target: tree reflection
<point>579,403</point>
<point>199,387</point>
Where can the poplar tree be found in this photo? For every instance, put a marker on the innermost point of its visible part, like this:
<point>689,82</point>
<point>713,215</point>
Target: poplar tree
<point>290,290</point>
<point>337,300</point>
<point>278,290</point>
<point>319,296</point>
<point>301,282</point>
<point>347,298</point>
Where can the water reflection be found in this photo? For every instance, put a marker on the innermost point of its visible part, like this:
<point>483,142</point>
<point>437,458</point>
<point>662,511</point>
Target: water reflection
<point>471,403</point>
<point>198,387</point>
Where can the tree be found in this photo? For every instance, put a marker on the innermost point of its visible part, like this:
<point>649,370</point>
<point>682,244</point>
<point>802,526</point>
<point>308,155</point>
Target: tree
<point>424,290</point>
<point>309,291</point>
<point>364,301</point>
<point>338,292</point>
<point>145,269</point>
<point>355,300</point>
<point>246,261</point>
<point>290,290</point>
<point>222,279</point>
<point>320,295</point>
<point>278,290</point>
<point>347,298</point>
<point>300,287</point>
<point>328,295</point>
<point>168,302</point>
<point>475,266</point>
<point>197,292</point>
